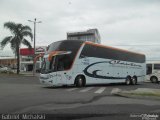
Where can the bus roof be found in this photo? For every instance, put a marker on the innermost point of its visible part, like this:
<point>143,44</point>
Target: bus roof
<point>113,48</point>
<point>96,44</point>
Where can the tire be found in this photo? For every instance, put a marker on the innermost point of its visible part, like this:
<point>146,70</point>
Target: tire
<point>128,81</point>
<point>134,80</point>
<point>79,81</point>
<point>154,79</point>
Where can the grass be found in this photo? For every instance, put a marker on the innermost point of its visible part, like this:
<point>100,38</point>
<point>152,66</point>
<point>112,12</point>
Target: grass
<point>142,92</point>
<point>9,74</point>
<point>146,94</point>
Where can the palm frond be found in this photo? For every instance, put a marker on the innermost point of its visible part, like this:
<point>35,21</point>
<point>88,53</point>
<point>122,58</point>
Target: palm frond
<point>26,28</point>
<point>28,44</point>
<point>5,41</point>
<point>14,44</point>
<point>19,26</point>
<point>18,30</point>
<point>11,26</point>
<point>26,34</point>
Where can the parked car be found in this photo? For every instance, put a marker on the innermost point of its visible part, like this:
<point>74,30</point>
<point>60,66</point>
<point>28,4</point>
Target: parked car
<point>4,69</point>
<point>38,70</point>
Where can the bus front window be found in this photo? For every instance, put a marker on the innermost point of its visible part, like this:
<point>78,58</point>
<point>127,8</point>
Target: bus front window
<point>57,63</point>
<point>53,64</point>
<point>63,62</point>
<point>48,66</point>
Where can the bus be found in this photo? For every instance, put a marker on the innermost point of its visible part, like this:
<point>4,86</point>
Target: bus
<point>153,71</point>
<point>80,63</point>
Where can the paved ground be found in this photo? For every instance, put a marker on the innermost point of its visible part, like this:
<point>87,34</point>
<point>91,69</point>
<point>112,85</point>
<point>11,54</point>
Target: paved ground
<point>25,95</point>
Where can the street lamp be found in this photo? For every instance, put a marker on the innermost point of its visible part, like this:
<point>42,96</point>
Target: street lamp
<point>35,21</point>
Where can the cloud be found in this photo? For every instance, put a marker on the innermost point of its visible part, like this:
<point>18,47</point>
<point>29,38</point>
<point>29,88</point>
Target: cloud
<point>120,22</point>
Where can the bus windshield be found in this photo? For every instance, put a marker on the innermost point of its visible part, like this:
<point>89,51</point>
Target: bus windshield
<point>62,61</point>
<point>58,63</point>
<point>47,67</point>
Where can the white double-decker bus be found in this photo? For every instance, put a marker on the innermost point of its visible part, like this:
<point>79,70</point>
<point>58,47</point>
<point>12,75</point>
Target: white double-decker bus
<point>73,62</point>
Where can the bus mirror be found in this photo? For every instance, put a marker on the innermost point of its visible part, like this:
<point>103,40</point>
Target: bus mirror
<point>50,57</point>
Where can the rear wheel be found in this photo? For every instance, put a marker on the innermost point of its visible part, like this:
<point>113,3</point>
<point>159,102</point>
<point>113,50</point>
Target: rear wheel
<point>134,80</point>
<point>128,81</point>
<point>154,79</point>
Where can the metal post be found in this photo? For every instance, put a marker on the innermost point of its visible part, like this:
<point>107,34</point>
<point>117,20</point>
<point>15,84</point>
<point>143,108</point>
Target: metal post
<point>34,65</point>
<point>34,36</point>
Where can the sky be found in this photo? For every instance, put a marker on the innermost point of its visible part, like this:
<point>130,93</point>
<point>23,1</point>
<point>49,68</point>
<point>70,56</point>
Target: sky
<point>128,24</point>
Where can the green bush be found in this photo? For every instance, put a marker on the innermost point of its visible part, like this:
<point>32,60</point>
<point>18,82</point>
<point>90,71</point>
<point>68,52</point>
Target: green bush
<point>7,72</point>
<point>3,71</point>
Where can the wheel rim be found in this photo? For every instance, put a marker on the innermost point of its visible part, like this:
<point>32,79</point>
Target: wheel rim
<point>133,81</point>
<point>80,81</point>
<point>154,79</point>
<point>127,81</point>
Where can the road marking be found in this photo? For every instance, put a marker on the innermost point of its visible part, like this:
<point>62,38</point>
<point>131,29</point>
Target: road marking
<point>86,89</point>
<point>100,90</point>
<point>71,89</point>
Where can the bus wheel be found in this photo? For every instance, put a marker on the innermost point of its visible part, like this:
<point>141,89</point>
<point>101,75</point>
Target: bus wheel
<point>79,81</point>
<point>154,79</point>
<point>128,81</point>
<point>134,80</point>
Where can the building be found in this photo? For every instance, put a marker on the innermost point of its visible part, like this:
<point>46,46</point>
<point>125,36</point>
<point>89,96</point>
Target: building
<point>8,61</point>
<point>91,35</point>
<point>26,58</point>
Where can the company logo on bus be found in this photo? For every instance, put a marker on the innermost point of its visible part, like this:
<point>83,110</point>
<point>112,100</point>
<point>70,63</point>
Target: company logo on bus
<point>123,63</point>
<point>116,63</point>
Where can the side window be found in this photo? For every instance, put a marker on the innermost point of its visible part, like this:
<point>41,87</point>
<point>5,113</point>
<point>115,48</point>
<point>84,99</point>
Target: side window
<point>87,51</point>
<point>157,66</point>
<point>149,69</point>
<point>67,61</point>
<point>110,53</point>
<point>64,62</point>
<point>60,63</point>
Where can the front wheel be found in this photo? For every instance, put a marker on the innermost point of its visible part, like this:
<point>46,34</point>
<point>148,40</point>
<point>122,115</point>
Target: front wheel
<point>79,81</point>
<point>154,80</point>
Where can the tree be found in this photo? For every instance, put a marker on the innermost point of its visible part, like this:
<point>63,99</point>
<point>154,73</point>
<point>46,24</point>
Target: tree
<point>18,37</point>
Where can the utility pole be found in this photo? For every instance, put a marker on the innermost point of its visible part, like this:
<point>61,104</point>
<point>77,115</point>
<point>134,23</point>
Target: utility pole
<point>35,22</point>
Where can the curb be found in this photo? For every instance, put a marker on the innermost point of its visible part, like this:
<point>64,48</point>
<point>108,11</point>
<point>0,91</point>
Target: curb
<point>147,81</point>
<point>138,96</point>
<point>141,94</point>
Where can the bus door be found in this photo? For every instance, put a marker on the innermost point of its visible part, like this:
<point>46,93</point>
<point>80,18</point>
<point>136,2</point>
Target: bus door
<point>149,69</point>
<point>63,62</point>
<point>59,68</point>
<point>60,65</point>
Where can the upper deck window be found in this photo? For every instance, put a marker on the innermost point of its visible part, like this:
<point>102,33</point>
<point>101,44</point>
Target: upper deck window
<point>157,66</point>
<point>109,53</point>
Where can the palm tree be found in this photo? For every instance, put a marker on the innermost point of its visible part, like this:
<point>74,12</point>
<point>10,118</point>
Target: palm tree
<point>18,37</point>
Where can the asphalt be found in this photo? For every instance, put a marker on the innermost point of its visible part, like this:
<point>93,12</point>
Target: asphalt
<point>24,94</point>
